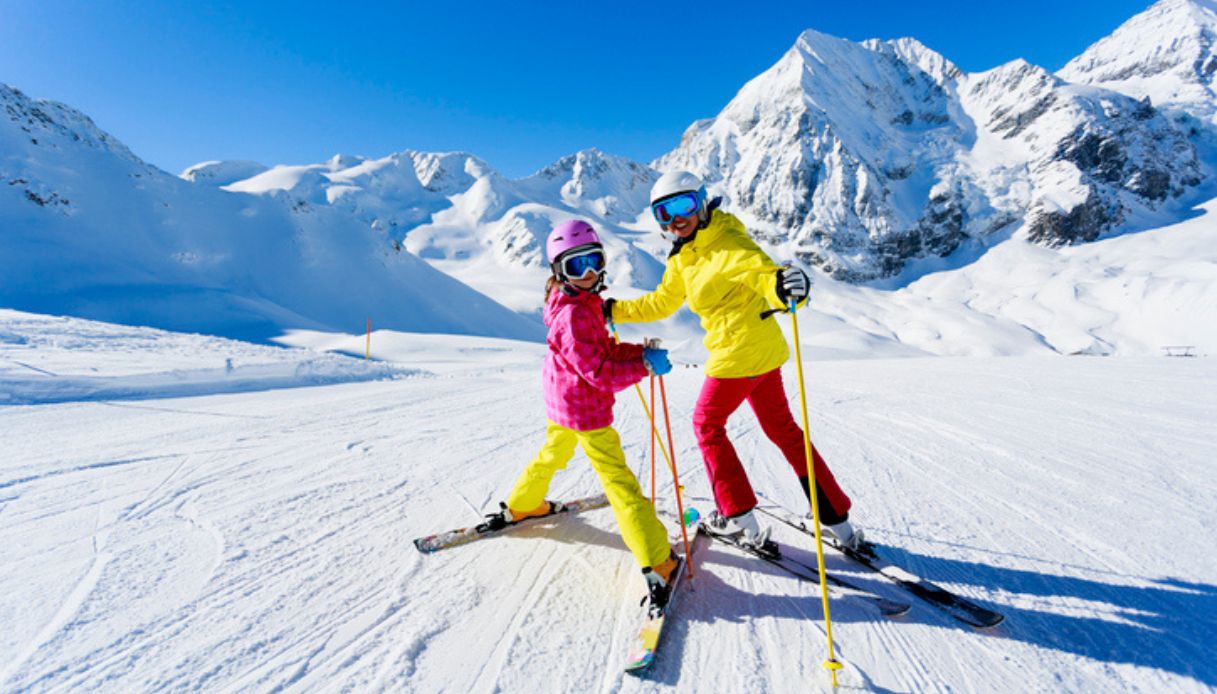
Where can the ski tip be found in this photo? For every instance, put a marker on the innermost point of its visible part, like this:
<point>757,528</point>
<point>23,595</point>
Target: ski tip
<point>991,620</point>
<point>891,608</point>
<point>639,666</point>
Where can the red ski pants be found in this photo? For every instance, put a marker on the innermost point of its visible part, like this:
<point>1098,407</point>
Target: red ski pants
<point>719,398</point>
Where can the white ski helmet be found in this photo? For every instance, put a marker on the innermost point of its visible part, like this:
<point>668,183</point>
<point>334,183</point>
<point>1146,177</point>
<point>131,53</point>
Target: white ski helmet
<point>676,183</point>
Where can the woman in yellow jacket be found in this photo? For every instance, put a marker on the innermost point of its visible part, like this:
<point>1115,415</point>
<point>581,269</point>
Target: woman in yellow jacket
<point>733,286</point>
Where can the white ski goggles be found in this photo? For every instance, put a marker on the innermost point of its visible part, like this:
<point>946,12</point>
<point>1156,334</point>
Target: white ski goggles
<point>575,265</point>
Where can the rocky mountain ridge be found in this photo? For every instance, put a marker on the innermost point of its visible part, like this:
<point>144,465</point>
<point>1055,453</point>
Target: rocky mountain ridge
<point>854,157</point>
<point>859,157</point>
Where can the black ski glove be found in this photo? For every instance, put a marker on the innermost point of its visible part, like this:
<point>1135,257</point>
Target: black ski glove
<point>607,310</point>
<point>793,283</point>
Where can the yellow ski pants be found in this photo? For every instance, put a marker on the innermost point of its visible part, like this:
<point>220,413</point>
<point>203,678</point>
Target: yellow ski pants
<point>641,529</point>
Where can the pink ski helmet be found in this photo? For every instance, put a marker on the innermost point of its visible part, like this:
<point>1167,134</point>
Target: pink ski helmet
<point>568,235</point>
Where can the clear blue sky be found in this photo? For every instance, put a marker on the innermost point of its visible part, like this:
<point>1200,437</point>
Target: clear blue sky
<point>515,83</point>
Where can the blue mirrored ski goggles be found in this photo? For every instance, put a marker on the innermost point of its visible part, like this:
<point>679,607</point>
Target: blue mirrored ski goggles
<point>575,265</point>
<point>680,205</point>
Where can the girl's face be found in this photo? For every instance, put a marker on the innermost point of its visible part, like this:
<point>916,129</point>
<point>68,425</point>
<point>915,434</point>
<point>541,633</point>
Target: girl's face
<point>587,281</point>
<point>683,226</point>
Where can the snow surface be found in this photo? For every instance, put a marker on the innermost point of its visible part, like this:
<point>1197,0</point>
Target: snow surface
<point>1130,294</point>
<point>40,363</point>
<point>260,540</point>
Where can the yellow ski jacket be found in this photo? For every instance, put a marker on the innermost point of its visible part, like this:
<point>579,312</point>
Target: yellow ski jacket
<point>729,282</point>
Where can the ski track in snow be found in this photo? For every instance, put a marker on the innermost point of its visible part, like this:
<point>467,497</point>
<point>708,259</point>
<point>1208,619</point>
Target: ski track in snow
<point>261,541</point>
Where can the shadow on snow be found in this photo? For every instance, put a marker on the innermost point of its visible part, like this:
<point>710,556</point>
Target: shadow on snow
<point>1162,624</point>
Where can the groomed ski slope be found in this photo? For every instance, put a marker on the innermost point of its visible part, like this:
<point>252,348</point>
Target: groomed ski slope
<point>260,539</point>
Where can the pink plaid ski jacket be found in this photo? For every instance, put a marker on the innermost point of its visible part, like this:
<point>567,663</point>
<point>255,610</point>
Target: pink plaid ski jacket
<point>584,367</point>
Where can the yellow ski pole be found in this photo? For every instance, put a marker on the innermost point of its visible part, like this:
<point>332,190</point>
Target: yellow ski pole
<point>832,664</point>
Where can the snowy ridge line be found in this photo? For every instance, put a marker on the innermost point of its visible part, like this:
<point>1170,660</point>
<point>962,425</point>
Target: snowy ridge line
<point>194,382</point>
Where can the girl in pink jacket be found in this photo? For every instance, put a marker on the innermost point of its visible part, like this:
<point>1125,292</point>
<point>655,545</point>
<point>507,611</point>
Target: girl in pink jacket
<point>584,368</point>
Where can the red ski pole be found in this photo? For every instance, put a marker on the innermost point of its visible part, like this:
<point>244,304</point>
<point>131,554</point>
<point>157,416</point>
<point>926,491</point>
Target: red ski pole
<point>654,436</point>
<point>680,506</point>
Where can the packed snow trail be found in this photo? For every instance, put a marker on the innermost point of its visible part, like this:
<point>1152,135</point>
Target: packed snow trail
<point>261,540</point>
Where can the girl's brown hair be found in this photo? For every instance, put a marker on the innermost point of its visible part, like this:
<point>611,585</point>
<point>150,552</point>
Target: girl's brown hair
<point>550,283</point>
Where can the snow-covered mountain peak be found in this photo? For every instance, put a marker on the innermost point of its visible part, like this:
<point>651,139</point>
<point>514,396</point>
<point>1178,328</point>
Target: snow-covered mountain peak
<point>1167,53</point>
<point>222,173</point>
<point>338,162</point>
<point>1016,69</point>
<point>816,46</point>
<point>855,91</point>
<point>606,185</point>
<point>914,52</point>
<point>864,155</point>
<point>830,58</point>
<point>1014,86</point>
<point>1186,11</point>
<point>589,163</point>
<point>48,123</point>
<point>449,172</point>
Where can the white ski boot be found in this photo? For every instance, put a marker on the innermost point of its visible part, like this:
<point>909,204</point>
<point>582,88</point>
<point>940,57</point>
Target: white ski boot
<point>847,535</point>
<point>744,530</point>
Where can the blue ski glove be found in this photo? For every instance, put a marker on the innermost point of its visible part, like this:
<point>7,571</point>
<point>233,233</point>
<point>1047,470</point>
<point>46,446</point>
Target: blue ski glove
<point>656,361</point>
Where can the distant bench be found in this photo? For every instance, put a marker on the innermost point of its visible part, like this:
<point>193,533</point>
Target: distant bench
<point>1179,350</point>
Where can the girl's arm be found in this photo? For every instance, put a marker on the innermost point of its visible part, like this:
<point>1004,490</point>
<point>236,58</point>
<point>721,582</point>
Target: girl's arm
<point>581,340</point>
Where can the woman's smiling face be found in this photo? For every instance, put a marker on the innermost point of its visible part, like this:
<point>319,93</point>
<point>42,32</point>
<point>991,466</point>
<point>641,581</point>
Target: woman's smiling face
<point>682,226</point>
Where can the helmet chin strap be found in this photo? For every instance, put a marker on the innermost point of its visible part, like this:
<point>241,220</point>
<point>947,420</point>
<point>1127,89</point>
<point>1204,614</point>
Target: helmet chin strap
<point>706,211</point>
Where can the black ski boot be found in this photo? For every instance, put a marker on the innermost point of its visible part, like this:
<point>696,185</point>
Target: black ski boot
<point>659,584</point>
